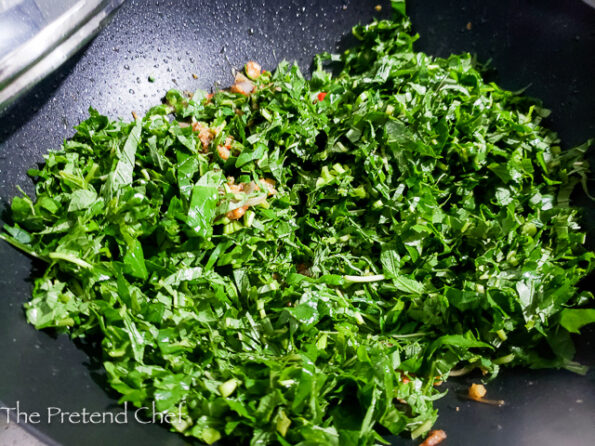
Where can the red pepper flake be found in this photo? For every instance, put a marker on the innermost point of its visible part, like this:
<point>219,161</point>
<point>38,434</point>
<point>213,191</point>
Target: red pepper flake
<point>321,96</point>
<point>405,379</point>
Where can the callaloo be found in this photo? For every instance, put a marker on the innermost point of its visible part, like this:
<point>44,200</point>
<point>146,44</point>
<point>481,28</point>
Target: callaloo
<point>301,261</point>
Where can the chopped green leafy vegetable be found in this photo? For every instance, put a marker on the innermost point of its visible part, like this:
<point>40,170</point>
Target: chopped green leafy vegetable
<point>298,261</point>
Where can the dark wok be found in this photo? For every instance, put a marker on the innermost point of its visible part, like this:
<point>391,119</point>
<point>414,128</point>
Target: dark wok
<point>548,45</point>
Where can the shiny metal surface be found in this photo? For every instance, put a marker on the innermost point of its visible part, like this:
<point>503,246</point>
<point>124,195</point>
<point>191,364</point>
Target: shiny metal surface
<point>37,36</point>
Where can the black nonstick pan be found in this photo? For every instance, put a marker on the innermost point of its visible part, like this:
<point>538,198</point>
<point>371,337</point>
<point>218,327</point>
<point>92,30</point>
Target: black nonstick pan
<point>546,46</point>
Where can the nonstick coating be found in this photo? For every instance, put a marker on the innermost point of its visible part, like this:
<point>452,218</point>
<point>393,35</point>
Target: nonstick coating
<point>547,45</point>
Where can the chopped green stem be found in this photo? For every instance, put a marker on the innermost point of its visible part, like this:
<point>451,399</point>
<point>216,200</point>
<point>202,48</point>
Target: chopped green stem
<point>70,258</point>
<point>25,248</point>
<point>364,279</point>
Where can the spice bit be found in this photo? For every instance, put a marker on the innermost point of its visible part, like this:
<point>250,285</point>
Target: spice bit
<point>194,76</point>
<point>434,437</point>
<point>134,115</point>
<point>378,8</point>
<point>469,26</point>
<point>476,392</point>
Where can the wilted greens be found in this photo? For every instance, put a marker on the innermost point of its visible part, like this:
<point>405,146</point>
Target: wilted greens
<point>301,264</point>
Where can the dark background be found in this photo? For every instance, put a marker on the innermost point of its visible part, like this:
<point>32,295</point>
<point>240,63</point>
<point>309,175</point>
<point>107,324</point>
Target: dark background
<point>545,45</point>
